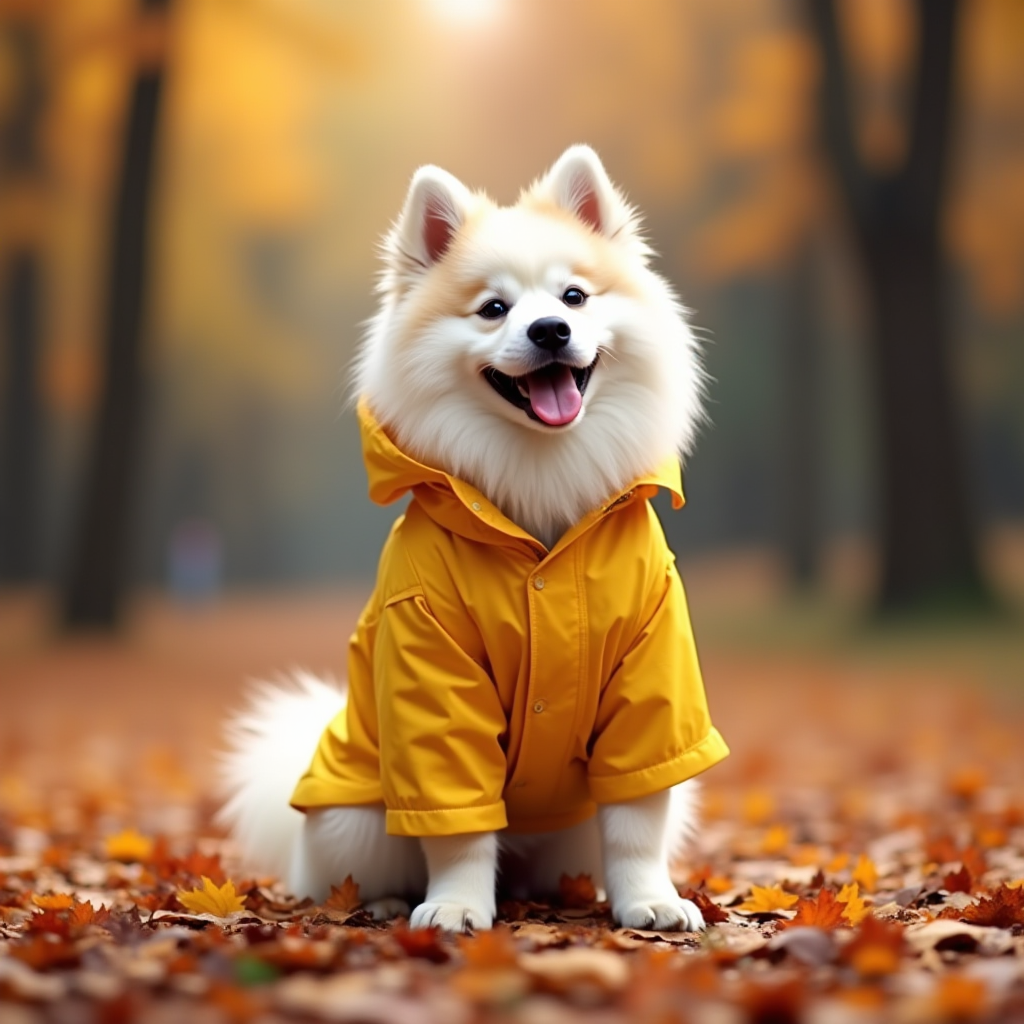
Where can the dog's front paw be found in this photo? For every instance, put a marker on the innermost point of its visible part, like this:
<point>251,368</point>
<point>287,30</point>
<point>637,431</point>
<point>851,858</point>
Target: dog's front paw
<point>450,917</point>
<point>663,915</point>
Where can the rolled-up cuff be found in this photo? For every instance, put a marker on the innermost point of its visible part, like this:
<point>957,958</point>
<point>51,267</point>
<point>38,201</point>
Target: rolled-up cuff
<point>615,789</point>
<point>447,821</point>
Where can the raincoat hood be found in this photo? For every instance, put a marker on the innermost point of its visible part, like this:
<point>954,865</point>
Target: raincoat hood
<point>392,473</point>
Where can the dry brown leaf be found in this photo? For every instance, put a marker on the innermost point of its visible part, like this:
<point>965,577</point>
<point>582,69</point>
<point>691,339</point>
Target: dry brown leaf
<point>958,881</point>
<point>344,898</point>
<point>1004,908</point>
<point>711,911</point>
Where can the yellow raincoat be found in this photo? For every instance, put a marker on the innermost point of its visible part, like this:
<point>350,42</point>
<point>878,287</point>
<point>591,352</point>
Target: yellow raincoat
<point>495,683</point>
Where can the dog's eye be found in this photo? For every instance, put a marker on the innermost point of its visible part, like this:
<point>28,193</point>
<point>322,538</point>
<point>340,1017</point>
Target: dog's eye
<point>492,309</point>
<point>574,297</point>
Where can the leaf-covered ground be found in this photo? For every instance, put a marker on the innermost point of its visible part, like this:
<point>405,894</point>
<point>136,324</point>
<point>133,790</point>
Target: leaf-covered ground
<point>862,856</point>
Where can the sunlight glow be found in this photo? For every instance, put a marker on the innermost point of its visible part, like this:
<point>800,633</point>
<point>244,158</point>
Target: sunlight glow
<point>466,12</point>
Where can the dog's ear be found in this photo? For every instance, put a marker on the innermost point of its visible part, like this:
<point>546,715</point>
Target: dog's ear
<point>434,210</point>
<point>579,183</point>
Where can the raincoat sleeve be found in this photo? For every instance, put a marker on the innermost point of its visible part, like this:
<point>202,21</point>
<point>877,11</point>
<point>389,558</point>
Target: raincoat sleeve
<point>653,729</point>
<point>442,767</point>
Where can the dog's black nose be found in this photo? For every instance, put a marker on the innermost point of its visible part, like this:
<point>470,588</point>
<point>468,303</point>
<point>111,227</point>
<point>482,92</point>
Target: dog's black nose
<point>549,332</point>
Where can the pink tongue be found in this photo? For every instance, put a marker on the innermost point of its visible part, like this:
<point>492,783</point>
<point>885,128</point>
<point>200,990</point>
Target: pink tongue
<point>554,397</point>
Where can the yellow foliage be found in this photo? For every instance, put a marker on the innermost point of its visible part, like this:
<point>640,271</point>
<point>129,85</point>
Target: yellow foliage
<point>806,854</point>
<point>837,863</point>
<point>865,874</point>
<point>128,845</point>
<point>758,806</point>
<point>855,909</point>
<point>775,840</point>
<point>719,884</point>
<point>767,900</point>
<point>221,901</point>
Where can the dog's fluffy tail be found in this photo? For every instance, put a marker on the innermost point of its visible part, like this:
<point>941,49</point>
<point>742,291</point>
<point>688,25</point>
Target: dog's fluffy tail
<point>270,744</point>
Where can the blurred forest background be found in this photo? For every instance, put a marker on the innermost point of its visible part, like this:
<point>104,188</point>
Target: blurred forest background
<point>191,192</point>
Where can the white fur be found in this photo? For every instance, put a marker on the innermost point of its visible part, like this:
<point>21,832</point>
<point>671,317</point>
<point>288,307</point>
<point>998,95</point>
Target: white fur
<point>644,400</point>
<point>270,744</point>
<point>635,839</point>
<point>420,369</point>
<point>626,849</point>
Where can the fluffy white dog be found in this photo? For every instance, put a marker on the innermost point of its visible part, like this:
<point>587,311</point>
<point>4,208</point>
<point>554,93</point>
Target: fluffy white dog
<point>525,377</point>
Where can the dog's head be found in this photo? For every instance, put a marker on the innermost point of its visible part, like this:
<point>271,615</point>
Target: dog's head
<point>532,341</point>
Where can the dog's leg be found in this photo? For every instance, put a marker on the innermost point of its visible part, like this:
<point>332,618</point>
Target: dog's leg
<point>460,888</point>
<point>339,841</point>
<point>635,845</point>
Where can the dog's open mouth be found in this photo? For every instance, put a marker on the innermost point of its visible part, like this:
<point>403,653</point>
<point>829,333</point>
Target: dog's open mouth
<point>551,395</point>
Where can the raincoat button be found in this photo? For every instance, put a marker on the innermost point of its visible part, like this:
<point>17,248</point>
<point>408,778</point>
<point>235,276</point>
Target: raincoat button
<point>539,706</point>
<point>538,583</point>
<point>475,506</point>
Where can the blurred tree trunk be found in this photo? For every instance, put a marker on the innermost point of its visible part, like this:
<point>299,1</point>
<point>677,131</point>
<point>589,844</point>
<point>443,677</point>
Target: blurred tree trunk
<point>801,420</point>
<point>21,182</point>
<point>19,460</point>
<point>101,540</point>
<point>929,550</point>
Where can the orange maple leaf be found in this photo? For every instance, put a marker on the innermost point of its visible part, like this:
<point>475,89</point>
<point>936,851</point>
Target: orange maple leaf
<point>84,914</point>
<point>767,900</point>
<point>576,893</point>
<point>221,901</point>
<point>55,901</point>
<point>824,911</point>
<point>345,897</point>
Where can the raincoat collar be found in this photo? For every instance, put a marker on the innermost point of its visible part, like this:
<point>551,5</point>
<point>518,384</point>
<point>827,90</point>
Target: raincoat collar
<point>459,506</point>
